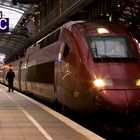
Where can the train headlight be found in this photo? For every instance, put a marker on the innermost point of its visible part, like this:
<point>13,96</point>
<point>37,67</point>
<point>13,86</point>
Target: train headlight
<point>99,83</point>
<point>138,82</point>
<point>103,82</point>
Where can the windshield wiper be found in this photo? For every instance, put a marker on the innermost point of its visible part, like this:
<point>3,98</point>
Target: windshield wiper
<point>102,56</point>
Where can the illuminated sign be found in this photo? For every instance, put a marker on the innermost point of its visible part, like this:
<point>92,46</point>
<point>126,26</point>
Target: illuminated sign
<point>4,24</point>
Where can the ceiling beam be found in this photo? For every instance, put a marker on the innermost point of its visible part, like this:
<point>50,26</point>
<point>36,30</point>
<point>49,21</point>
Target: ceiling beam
<point>25,1</point>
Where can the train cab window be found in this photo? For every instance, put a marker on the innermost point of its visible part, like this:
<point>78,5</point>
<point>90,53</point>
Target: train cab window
<point>66,51</point>
<point>110,47</point>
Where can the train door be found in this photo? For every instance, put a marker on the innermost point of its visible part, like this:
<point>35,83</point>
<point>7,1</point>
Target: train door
<point>3,75</point>
<point>23,71</point>
<point>68,73</point>
<point>26,72</point>
<point>19,75</point>
<point>64,50</point>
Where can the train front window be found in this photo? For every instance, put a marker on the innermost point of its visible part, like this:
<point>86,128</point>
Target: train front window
<point>110,47</point>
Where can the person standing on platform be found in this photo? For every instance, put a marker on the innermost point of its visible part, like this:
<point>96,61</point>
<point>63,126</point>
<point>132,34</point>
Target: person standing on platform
<point>10,78</point>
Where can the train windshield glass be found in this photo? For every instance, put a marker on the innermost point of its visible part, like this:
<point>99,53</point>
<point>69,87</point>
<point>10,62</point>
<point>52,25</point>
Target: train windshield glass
<point>110,47</point>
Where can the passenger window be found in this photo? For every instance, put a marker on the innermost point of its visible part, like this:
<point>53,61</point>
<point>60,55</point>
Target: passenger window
<point>66,51</point>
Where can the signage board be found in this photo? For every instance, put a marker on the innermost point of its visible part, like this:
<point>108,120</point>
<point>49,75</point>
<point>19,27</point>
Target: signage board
<point>4,24</point>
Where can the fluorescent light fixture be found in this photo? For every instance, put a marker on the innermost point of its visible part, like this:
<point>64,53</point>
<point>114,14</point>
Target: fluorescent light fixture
<point>2,56</point>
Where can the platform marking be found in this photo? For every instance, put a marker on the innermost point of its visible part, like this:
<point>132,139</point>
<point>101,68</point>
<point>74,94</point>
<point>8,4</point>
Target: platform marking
<point>80,129</point>
<point>46,135</point>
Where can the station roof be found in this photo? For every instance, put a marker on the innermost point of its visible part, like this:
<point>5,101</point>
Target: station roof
<point>128,14</point>
<point>11,43</point>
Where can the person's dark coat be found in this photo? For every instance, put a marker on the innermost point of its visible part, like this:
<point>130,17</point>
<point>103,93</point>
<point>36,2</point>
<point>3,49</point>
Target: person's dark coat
<point>10,78</point>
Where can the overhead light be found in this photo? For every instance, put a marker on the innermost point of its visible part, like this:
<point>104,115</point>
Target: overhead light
<point>25,1</point>
<point>2,57</point>
<point>107,14</point>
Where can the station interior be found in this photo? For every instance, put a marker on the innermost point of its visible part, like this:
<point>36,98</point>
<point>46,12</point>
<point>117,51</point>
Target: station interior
<point>40,17</point>
<point>24,117</point>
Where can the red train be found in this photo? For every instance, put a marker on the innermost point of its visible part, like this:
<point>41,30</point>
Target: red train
<point>86,66</point>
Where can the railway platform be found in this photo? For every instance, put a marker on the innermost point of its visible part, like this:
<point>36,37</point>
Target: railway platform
<point>22,118</point>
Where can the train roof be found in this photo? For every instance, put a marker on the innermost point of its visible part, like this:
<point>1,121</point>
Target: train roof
<point>65,25</point>
<point>85,24</point>
<point>89,26</point>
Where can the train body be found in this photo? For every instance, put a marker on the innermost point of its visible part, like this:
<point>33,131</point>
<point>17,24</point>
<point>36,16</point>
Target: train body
<point>86,66</point>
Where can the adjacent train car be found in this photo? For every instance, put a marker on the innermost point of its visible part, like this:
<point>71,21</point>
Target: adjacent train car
<point>87,66</point>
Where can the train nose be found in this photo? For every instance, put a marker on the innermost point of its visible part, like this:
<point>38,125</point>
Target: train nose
<point>133,97</point>
<point>112,100</point>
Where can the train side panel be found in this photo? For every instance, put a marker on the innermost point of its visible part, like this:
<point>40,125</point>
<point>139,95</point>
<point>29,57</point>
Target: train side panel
<point>23,71</point>
<point>66,73</point>
<point>40,71</point>
<point>71,74</point>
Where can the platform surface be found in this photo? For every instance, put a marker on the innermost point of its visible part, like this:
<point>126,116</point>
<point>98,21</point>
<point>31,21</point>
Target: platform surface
<point>22,118</point>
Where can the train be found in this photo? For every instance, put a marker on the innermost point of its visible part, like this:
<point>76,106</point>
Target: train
<point>86,66</point>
